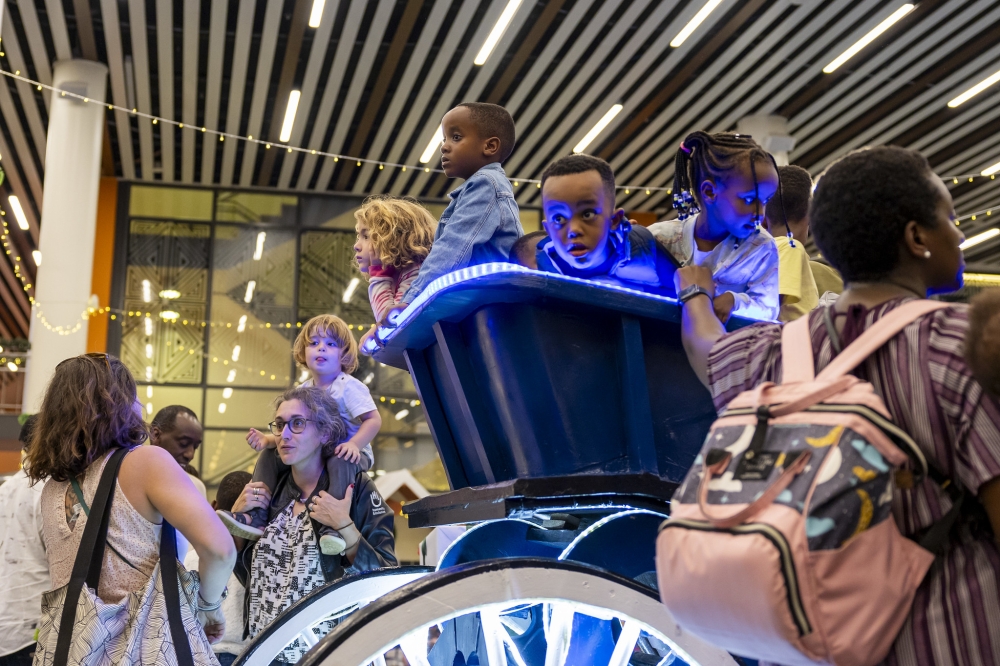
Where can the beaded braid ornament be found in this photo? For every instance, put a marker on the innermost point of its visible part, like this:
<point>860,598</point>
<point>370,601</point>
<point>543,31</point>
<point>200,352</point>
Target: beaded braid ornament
<point>684,202</point>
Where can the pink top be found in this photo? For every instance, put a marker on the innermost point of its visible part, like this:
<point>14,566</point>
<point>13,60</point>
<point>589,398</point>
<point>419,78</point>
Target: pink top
<point>387,286</point>
<point>135,538</point>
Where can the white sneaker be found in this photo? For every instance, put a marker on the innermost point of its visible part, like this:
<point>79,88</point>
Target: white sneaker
<point>238,528</point>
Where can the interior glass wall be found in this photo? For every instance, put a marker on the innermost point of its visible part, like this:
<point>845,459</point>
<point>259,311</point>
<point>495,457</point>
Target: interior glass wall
<point>214,286</point>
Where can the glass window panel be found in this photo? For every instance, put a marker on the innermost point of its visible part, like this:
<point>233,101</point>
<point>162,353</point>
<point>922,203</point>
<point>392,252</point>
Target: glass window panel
<point>531,220</point>
<point>242,410</point>
<point>154,398</point>
<point>225,451</point>
<point>170,202</point>
<point>260,286</point>
<point>256,207</point>
<point>326,269</point>
<point>167,271</point>
<point>329,212</point>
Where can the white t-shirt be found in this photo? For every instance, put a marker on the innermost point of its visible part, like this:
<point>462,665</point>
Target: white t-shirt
<point>232,607</point>
<point>24,567</point>
<point>353,399</point>
<point>698,257</point>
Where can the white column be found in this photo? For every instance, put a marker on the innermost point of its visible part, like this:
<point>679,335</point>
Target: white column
<point>69,221</point>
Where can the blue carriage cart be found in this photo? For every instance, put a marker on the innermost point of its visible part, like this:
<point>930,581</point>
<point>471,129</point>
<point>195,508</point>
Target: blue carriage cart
<point>565,413</point>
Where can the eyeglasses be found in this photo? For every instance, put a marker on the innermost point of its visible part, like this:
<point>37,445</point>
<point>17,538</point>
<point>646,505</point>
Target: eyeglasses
<point>297,425</point>
<point>95,355</point>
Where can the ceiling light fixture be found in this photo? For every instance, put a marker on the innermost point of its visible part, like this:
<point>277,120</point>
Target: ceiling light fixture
<point>242,325</point>
<point>868,38</point>
<point>149,351</point>
<point>227,392</point>
<point>259,250</point>
<point>316,15</point>
<point>293,105</point>
<point>37,255</point>
<point>432,147</point>
<point>149,326</point>
<point>975,90</point>
<point>232,376</point>
<point>598,128</point>
<point>402,414</point>
<point>497,32</point>
<point>15,204</point>
<point>11,366</point>
<point>349,291</point>
<point>990,170</point>
<point>250,287</point>
<point>170,294</point>
<point>695,21</point>
<point>170,315</point>
<point>236,353</point>
<point>979,238</point>
<point>147,292</point>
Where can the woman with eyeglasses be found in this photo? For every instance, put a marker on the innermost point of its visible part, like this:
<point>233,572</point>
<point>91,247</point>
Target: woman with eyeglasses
<point>89,412</point>
<point>286,564</point>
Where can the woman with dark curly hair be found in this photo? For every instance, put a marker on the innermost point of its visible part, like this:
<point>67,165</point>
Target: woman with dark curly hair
<point>89,412</point>
<point>886,222</point>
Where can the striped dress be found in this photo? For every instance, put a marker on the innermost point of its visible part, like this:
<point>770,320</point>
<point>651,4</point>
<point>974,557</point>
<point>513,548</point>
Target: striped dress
<point>929,391</point>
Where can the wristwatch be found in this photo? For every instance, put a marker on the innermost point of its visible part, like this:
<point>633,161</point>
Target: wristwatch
<point>687,293</point>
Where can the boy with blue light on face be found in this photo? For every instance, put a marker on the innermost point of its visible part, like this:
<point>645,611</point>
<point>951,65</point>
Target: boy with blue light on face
<point>589,238</point>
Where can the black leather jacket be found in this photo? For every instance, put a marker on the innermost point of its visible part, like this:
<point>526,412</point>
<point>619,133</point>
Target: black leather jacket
<point>370,513</point>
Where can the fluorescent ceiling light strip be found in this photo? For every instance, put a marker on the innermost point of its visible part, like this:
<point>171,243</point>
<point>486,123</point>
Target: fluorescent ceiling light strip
<point>868,38</point>
<point>990,170</point>
<point>37,256</point>
<point>293,105</point>
<point>349,291</point>
<point>980,238</point>
<point>15,204</point>
<point>497,32</point>
<point>432,147</point>
<point>973,91</point>
<point>259,250</point>
<point>693,24</point>
<point>598,128</point>
<point>316,15</point>
<point>250,287</point>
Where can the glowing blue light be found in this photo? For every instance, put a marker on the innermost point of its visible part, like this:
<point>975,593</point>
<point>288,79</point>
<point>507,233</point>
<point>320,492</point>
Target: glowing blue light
<point>497,268</point>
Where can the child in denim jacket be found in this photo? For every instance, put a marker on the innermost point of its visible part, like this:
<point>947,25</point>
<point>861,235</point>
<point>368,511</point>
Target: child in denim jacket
<point>481,223</point>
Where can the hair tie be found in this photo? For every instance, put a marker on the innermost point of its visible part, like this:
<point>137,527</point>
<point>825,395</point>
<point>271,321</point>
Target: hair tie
<point>685,148</point>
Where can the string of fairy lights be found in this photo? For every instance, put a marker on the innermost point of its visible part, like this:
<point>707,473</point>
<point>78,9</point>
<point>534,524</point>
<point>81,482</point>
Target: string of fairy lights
<point>167,315</point>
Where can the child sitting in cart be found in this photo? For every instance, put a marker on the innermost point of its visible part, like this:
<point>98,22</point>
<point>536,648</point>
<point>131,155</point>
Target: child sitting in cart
<point>588,238</point>
<point>722,182</point>
<point>394,238</point>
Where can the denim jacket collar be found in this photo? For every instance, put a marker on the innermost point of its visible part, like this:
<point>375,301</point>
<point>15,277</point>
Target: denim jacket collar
<point>492,166</point>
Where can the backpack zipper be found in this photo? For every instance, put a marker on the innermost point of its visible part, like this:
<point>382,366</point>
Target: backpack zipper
<point>778,540</point>
<point>895,432</point>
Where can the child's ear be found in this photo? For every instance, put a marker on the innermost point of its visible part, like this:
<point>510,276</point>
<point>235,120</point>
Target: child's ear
<point>709,192</point>
<point>617,218</point>
<point>491,147</point>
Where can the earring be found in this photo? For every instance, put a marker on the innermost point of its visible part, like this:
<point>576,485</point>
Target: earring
<point>927,254</point>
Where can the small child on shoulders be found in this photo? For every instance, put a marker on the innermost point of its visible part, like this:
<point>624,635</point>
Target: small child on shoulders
<point>722,182</point>
<point>481,223</point>
<point>326,347</point>
<point>590,239</point>
<point>394,238</point>
<point>787,220</point>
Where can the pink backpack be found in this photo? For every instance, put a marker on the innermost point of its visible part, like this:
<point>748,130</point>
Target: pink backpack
<point>781,544</point>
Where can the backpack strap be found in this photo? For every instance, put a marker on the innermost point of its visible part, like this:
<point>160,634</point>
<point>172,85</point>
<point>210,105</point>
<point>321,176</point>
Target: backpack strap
<point>877,335</point>
<point>797,364</point>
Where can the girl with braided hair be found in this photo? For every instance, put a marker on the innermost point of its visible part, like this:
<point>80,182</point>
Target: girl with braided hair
<point>721,184</point>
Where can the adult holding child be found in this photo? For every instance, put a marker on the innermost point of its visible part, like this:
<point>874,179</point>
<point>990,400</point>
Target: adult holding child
<point>886,222</point>
<point>286,563</point>
<point>90,418</point>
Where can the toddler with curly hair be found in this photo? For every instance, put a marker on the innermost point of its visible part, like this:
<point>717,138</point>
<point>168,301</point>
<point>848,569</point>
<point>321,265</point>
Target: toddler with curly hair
<point>394,238</point>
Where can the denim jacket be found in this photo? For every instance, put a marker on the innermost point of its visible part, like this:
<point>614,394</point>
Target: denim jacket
<point>479,226</point>
<point>636,262</point>
<point>748,268</point>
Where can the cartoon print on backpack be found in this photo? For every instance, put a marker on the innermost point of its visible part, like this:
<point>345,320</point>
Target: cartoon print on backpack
<point>853,494</point>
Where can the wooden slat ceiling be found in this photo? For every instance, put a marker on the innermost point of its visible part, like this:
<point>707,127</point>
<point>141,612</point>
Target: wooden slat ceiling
<point>377,76</point>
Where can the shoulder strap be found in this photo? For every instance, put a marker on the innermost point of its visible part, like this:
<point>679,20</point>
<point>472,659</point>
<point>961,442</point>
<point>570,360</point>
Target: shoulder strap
<point>90,556</point>
<point>797,363</point>
<point>881,332</point>
<point>168,576</point>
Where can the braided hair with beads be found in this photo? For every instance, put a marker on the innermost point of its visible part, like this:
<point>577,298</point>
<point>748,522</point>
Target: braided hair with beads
<point>703,156</point>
